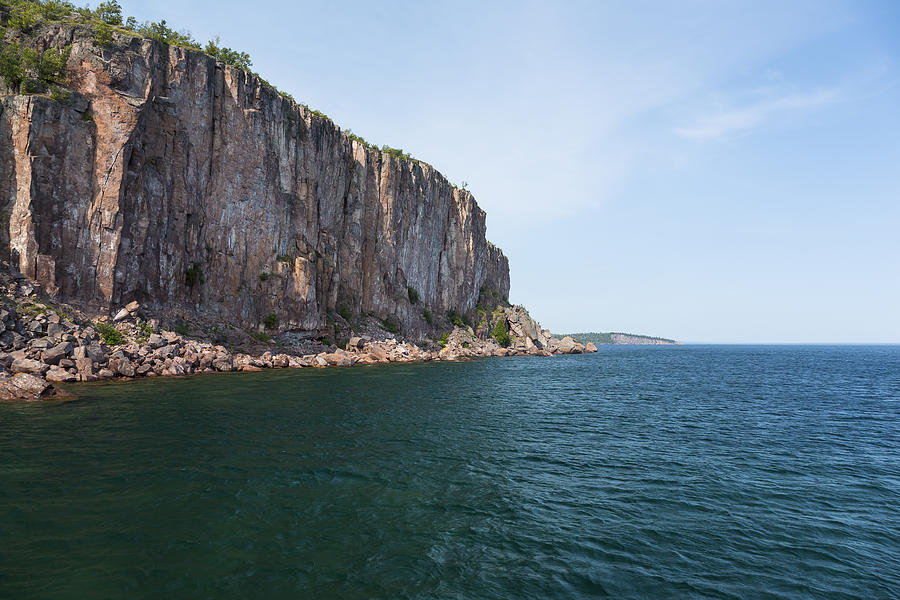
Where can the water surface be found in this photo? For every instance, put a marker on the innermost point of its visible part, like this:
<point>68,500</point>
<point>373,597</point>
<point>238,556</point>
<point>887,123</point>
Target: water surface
<point>637,472</point>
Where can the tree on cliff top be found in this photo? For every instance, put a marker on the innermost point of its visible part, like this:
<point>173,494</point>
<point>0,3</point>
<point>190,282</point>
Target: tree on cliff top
<point>241,60</point>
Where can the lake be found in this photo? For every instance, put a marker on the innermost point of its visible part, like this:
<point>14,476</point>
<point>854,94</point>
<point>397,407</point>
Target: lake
<point>636,472</point>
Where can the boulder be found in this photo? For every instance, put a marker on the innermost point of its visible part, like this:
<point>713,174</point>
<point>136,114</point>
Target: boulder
<point>59,375</point>
<point>132,306</point>
<point>25,386</point>
<point>26,365</point>
<point>121,315</point>
<point>566,345</point>
<point>156,340</point>
<point>53,355</point>
<point>591,347</point>
<point>355,343</point>
<point>223,364</point>
<point>125,368</point>
<point>95,353</point>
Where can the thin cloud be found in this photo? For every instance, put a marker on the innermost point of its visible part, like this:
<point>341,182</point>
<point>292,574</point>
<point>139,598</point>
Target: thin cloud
<point>753,115</point>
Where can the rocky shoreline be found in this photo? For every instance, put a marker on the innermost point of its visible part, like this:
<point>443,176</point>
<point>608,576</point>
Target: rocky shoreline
<point>42,345</point>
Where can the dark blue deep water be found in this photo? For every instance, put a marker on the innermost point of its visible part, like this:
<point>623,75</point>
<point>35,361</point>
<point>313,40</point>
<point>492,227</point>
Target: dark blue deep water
<point>637,472</point>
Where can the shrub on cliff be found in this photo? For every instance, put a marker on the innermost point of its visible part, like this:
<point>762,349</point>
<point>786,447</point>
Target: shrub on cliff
<point>501,333</point>
<point>161,32</point>
<point>413,294</point>
<point>110,335</point>
<point>193,275</point>
<point>271,321</point>
<point>27,70</point>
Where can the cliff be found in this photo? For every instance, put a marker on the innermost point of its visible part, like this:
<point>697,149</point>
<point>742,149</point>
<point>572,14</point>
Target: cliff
<point>168,178</point>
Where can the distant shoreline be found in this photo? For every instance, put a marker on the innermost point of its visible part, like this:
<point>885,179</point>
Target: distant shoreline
<point>619,338</point>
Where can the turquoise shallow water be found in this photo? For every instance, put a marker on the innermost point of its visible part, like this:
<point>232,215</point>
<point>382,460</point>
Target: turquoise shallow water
<point>669,472</point>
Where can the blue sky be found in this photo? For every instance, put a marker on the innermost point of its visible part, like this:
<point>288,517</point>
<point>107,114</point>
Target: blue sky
<point>706,171</point>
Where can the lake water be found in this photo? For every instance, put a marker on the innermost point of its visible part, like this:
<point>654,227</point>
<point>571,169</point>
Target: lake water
<point>636,472</point>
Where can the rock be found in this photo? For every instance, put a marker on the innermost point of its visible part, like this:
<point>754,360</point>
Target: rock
<point>106,374</point>
<point>26,365</point>
<point>5,359</point>
<point>84,244</point>
<point>566,345</point>
<point>132,306</point>
<point>250,368</point>
<point>355,343</point>
<point>53,355</point>
<point>223,364</point>
<point>40,344</point>
<point>95,353</point>
<point>125,368</point>
<point>121,315</point>
<point>56,329</point>
<point>591,347</point>
<point>59,375</point>
<point>156,340</point>
<point>84,366</point>
<point>25,386</point>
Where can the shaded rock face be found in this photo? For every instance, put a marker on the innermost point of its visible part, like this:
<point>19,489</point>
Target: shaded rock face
<point>186,185</point>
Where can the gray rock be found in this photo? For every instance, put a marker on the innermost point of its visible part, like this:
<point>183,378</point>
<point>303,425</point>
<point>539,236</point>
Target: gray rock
<point>53,355</point>
<point>25,387</point>
<point>59,375</point>
<point>121,315</point>
<point>125,368</point>
<point>156,340</point>
<point>26,365</point>
<point>95,353</point>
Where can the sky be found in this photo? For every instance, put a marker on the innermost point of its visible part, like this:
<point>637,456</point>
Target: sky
<point>712,172</point>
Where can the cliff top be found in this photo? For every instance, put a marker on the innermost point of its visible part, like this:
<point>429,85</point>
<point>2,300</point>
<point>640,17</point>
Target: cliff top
<point>29,70</point>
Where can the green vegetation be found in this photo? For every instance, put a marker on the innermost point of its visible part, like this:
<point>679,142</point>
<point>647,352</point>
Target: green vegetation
<point>25,15</point>
<point>501,333</point>
<point>193,275</point>
<point>28,71</point>
<point>110,335</point>
<point>285,258</point>
<point>271,321</point>
<point>606,338</point>
<point>161,32</point>
<point>345,312</point>
<point>241,60</point>
<point>444,339</point>
<point>396,153</point>
<point>326,341</point>
<point>390,324</point>
<point>260,336</point>
<point>264,276</point>
<point>455,318</point>
<point>103,34</point>
<point>145,331</point>
<point>109,13</point>
<point>61,95</point>
<point>413,294</point>
<point>355,138</point>
<point>181,328</point>
<point>428,317</point>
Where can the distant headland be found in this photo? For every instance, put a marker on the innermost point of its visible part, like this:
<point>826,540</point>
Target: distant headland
<point>617,337</point>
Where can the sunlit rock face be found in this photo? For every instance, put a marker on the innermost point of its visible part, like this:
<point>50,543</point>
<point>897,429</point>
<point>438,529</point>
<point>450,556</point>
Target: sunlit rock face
<point>173,180</point>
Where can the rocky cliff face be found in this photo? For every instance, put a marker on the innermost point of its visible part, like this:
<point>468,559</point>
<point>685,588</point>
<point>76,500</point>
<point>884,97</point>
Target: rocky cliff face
<point>173,180</point>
